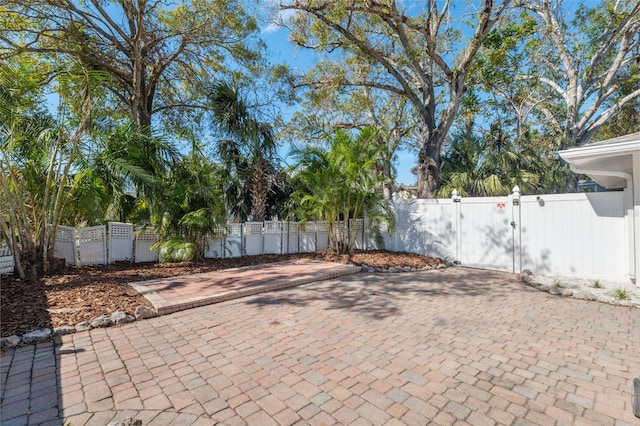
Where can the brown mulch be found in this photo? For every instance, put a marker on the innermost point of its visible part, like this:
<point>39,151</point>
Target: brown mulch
<point>81,294</point>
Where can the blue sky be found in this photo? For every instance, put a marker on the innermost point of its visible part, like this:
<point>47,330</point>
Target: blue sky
<point>283,51</point>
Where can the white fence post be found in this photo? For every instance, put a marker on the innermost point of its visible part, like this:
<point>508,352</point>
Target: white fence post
<point>120,241</point>
<point>93,245</point>
<point>456,200</point>
<point>516,224</point>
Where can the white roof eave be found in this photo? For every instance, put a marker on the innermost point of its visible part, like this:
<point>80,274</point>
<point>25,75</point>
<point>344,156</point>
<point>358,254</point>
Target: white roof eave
<point>600,150</point>
<point>599,163</point>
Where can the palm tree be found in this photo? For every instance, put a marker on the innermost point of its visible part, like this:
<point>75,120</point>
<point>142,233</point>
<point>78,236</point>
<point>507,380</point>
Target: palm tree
<point>247,151</point>
<point>342,183</point>
<point>38,156</point>
<point>121,173</point>
<point>488,166</point>
<point>192,207</point>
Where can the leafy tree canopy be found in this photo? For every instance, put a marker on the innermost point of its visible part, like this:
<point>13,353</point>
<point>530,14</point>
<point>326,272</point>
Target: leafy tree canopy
<point>159,56</point>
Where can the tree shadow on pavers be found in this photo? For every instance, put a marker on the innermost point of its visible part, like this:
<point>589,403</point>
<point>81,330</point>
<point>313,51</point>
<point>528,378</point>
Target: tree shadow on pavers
<point>31,385</point>
<point>379,295</point>
<point>275,299</point>
<point>29,390</point>
<point>176,283</point>
<point>368,302</point>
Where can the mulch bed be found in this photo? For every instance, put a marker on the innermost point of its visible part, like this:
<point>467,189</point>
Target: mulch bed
<point>81,294</point>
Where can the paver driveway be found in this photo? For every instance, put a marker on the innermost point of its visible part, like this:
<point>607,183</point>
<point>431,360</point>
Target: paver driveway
<point>450,346</point>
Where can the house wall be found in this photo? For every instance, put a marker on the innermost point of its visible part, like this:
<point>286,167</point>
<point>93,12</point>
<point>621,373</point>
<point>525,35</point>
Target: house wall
<point>634,220</point>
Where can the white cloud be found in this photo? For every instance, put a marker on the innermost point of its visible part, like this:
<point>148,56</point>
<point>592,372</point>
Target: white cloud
<point>277,20</point>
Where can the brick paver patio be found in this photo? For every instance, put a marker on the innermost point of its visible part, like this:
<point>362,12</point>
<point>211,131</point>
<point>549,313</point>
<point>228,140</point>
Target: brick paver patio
<point>453,346</point>
<point>168,295</point>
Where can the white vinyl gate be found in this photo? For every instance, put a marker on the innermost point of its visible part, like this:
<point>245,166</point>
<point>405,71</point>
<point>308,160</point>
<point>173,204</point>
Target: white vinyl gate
<point>477,232</point>
<point>489,228</point>
<point>581,235</point>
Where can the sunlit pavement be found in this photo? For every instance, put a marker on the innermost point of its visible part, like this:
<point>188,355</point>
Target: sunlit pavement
<point>446,346</point>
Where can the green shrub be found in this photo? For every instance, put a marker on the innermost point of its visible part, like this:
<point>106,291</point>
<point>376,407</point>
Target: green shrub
<point>175,250</point>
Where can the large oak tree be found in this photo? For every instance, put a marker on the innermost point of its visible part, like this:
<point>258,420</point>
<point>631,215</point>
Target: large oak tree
<point>158,54</point>
<point>422,52</point>
<point>576,68</point>
<point>327,109</point>
<point>587,65</point>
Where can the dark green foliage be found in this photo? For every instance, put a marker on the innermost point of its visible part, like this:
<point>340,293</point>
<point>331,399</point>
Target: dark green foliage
<point>493,164</point>
<point>247,152</point>
<point>340,183</point>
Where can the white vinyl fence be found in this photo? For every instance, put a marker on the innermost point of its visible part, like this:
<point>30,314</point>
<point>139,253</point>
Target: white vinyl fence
<point>66,244</point>
<point>144,239</point>
<point>92,245</point>
<point>6,260</point>
<point>581,235</point>
<point>120,242</point>
<point>576,235</point>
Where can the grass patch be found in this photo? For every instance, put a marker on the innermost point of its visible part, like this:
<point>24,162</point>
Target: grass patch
<point>621,294</point>
<point>596,284</point>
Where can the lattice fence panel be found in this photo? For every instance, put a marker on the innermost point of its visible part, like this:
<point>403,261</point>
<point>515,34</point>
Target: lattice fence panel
<point>120,241</point>
<point>6,261</point>
<point>387,241</point>
<point>356,228</point>
<point>307,233</point>
<point>144,239</point>
<point>66,245</point>
<point>233,242</point>
<point>215,244</point>
<point>291,237</point>
<point>92,245</point>
<point>272,237</point>
<point>322,236</point>
<point>253,238</point>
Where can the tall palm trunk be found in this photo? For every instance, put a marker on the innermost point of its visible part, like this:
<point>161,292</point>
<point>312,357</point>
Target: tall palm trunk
<point>259,190</point>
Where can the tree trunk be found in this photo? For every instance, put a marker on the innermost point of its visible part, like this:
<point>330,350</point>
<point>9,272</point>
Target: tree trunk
<point>141,107</point>
<point>259,190</point>
<point>428,165</point>
<point>387,187</point>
